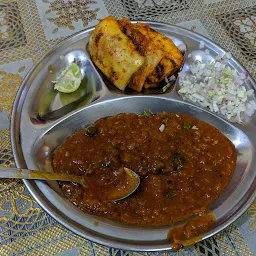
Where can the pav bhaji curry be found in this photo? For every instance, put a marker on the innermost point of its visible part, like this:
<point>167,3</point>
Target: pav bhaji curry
<point>184,164</point>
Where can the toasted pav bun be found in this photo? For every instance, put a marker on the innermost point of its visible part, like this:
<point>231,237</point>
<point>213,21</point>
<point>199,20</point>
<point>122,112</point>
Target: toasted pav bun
<point>114,53</point>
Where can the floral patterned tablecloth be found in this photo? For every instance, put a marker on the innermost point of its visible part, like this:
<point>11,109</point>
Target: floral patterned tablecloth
<point>28,29</point>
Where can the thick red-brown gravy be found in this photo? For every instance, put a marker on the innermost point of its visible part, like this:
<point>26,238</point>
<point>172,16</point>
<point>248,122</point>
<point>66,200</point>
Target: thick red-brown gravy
<point>184,166</point>
<point>191,232</point>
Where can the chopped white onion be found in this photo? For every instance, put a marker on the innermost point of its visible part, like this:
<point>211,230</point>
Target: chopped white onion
<point>219,88</point>
<point>201,45</point>
<point>161,128</point>
<point>207,51</point>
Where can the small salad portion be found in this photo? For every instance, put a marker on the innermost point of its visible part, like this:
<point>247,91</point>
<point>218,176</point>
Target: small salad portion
<point>218,87</point>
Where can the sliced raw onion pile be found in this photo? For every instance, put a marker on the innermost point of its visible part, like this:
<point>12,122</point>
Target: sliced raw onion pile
<point>220,88</point>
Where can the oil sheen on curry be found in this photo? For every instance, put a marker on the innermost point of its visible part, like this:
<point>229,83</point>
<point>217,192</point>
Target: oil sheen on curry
<point>184,164</point>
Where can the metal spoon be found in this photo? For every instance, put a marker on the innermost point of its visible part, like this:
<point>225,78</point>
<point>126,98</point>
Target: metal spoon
<point>131,183</point>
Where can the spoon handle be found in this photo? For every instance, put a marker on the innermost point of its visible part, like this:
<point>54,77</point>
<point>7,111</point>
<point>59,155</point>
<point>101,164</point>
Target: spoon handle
<point>6,172</point>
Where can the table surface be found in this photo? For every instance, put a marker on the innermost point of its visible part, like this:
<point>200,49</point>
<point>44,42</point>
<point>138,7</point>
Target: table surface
<point>28,29</point>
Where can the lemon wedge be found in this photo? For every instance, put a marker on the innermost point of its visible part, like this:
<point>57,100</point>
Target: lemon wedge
<point>69,80</point>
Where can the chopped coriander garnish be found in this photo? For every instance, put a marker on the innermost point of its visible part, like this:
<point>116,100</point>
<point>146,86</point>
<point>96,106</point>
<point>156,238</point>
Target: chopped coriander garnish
<point>165,120</point>
<point>147,113</point>
<point>186,125</point>
<point>171,194</point>
<point>178,161</point>
<point>91,131</point>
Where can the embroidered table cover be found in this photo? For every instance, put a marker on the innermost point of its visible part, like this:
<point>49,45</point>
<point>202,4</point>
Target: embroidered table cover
<point>30,28</point>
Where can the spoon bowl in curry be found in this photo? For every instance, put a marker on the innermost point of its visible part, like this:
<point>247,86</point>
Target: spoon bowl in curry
<point>128,184</point>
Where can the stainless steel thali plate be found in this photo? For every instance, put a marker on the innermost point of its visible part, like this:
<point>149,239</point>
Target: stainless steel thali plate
<point>42,119</point>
